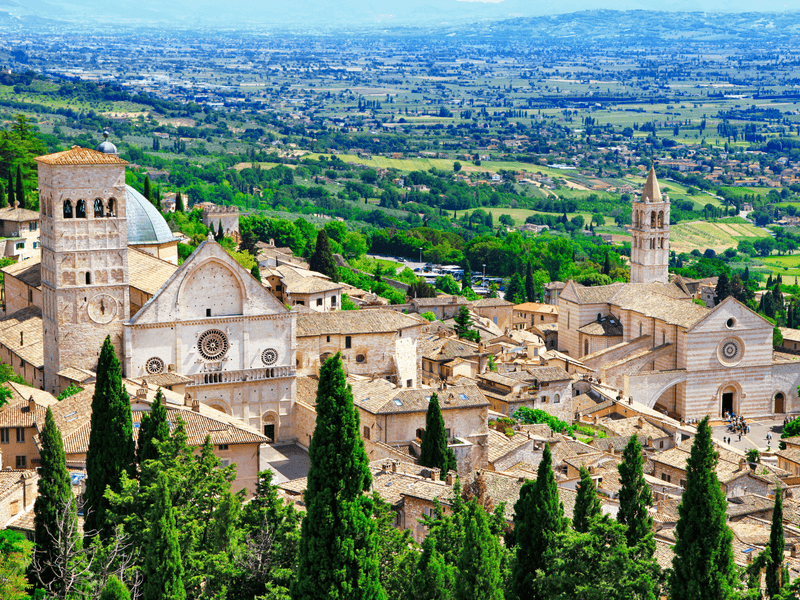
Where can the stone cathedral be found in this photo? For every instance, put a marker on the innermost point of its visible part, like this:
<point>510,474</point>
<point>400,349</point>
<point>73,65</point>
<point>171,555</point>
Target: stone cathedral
<point>649,340</point>
<point>207,323</point>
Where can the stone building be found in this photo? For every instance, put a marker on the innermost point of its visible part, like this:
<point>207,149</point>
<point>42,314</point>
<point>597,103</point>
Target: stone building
<point>531,314</point>
<point>295,286</point>
<point>545,388</point>
<point>650,231</point>
<point>228,216</point>
<point>20,228</point>
<point>497,310</point>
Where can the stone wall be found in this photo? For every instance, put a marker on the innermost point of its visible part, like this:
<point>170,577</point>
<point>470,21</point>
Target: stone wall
<point>305,421</point>
<point>19,295</point>
<point>20,498</point>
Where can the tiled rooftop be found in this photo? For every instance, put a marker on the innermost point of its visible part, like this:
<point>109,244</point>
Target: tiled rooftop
<point>80,156</point>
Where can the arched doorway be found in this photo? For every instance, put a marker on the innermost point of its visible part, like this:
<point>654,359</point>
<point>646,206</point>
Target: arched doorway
<point>270,424</point>
<point>729,400</point>
<point>780,402</point>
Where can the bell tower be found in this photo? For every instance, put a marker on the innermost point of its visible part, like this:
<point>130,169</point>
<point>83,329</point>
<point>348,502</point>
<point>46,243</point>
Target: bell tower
<point>650,230</point>
<point>84,268</point>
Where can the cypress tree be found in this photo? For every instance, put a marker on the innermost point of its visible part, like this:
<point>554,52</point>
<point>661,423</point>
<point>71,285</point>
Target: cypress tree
<point>55,496</point>
<point>20,188</point>
<point>539,517</point>
<point>338,548</point>
<point>607,265</point>
<point>3,201</point>
<point>634,498</point>
<point>154,427</point>
<point>775,574</point>
<point>179,203</point>
<point>587,504</point>
<point>723,289</point>
<point>746,275</point>
<point>255,272</point>
<point>322,259</point>
<point>434,452</point>
<point>478,576</point>
<point>530,289</point>
<point>111,448</point>
<point>431,580</point>
<point>147,193</point>
<point>115,590</point>
<point>464,323</point>
<point>163,567</point>
<point>220,232</point>
<point>10,187</point>
<point>703,566</point>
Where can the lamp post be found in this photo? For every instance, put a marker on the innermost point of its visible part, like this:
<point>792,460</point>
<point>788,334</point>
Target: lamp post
<point>420,256</point>
<point>484,275</point>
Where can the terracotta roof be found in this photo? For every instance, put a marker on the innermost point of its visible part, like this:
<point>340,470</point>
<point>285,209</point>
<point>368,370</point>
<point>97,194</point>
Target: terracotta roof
<point>9,478</point>
<point>163,379</point>
<point>631,426</point>
<point>377,398</point>
<point>501,445</point>
<point>18,414</point>
<point>449,348</point>
<point>354,322</point>
<point>27,271</point>
<point>792,335</point>
<point>674,311</point>
<point>311,285</point>
<point>605,327</point>
<point>549,309</point>
<point>486,302</point>
<point>18,215</point>
<point>617,442</point>
<point>147,272</point>
<point>542,374</point>
<point>27,321</point>
<point>80,156</point>
<point>440,301</point>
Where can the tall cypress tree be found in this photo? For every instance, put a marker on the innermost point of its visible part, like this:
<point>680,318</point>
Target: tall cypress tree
<point>55,496</point>
<point>434,451</point>
<point>220,232</point>
<point>111,448</point>
<point>163,567</point>
<point>607,265</point>
<point>530,288</point>
<point>431,579</point>
<point>775,574</point>
<point>338,547</point>
<point>3,201</point>
<point>587,504</point>
<point>635,498</point>
<point>539,517</point>
<point>179,207</point>
<point>703,566</point>
<point>478,576</point>
<point>154,427</point>
<point>20,188</point>
<point>147,194</point>
<point>10,187</point>
<point>322,259</point>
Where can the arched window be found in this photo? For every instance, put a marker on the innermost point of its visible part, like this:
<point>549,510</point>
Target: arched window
<point>88,278</point>
<point>640,330</point>
<point>585,347</point>
<point>661,219</point>
<point>652,243</point>
<point>98,208</point>
<point>661,243</point>
<point>67,209</point>
<point>80,209</point>
<point>653,220</point>
<point>111,208</point>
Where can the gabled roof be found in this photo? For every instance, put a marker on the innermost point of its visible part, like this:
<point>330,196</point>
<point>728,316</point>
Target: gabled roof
<point>351,322</point>
<point>724,303</point>
<point>651,191</point>
<point>18,215</point>
<point>80,156</point>
<point>382,399</point>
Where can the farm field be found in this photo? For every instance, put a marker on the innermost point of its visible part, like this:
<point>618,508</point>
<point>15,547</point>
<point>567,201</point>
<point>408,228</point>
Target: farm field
<point>699,235</point>
<point>788,265</point>
<point>520,214</point>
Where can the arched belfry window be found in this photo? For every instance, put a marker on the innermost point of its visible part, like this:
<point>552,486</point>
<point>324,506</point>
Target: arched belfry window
<point>98,208</point>
<point>88,278</point>
<point>111,208</point>
<point>661,219</point>
<point>67,209</point>
<point>80,209</point>
<point>653,220</point>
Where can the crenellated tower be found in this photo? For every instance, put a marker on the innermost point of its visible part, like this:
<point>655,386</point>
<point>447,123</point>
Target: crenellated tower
<point>84,268</point>
<point>650,231</point>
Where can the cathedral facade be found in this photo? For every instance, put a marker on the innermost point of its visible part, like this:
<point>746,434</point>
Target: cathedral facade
<point>210,322</point>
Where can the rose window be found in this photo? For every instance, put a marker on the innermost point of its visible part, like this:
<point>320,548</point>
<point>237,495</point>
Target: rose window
<point>212,344</point>
<point>269,356</point>
<point>730,351</point>
<point>154,365</point>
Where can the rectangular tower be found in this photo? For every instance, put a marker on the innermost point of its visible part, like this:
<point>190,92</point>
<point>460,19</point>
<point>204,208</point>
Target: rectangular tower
<point>650,231</point>
<point>84,269</point>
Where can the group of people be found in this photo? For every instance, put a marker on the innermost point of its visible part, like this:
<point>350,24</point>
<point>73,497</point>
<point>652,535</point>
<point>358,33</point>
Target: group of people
<point>737,424</point>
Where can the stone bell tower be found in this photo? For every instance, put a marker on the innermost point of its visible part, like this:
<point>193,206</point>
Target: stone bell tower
<point>650,230</point>
<point>84,268</point>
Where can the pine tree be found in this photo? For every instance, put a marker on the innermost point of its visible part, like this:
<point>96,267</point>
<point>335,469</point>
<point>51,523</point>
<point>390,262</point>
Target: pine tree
<point>147,193</point>
<point>10,188</point>
<point>431,579</point>
<point>723,289</point>
<point>111,448</point>
<point>703,564</point>
<point>115,590</point>
<point>256,272</point>
<point>322,259</point>
<point>530,288</point>
<point>179,203</point>
<point>55,497</point>
<point>154,428</point>
<point>20,189</point>
<point>587,503</point>
<point>337,556</point>
<point>515,290</point>
<point>775,573</point>
<point>163,567</point>
<point>635,498</point>
<point>478,576</point>
<point>434,452</point>
<point>464,323</point>
<point>466,279</point>
<point>538,518</point>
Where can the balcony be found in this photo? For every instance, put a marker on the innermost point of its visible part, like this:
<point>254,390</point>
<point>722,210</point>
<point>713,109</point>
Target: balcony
<point>214,377</point>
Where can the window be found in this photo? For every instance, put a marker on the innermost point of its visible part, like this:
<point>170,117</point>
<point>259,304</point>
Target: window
<point>30,295</point>
<point>319,301</point>
<point>420,433</point>
<point>409,382</point>
<point>366,432</point>
<point>543,399</point>
<point>208,312</point>
<point>22,462</point>
<point>683,483</point>
<point>348,342</point>
<point>67,209</point>
<point>661,444</point>
<point>328,339</point>
<point>666,477</point>
<point>278,288</point>
<point>110,212</point>
<point>80,209</point>
<point>35,245</point>
<point>223,446</point>
<point>4,435</point>
<point>98,208</point>
<point>19,245</point>
<point>556,399</point>
<point>88,278</point>
<point>20,434</point>
<point>360,358</point>
<point>333,300</point>
<point>301,302</point>
<point>33,226</point>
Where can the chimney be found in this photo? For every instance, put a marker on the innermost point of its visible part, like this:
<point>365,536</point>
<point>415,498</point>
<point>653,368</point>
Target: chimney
<point>187,399</point>
<point>21,338</point>
<point>639,423</point>
<point>630,400</point>
<point>196,405</point>
<point>611,449</point>
<point>434,474</point>
<point>596,419</point>
<point>590,468</point>
<point>31,404</point>
<point>750,556</point>
<point>742,464</point>
<point>394,466</point>
<point>141,393</point>
<point>794,551</point>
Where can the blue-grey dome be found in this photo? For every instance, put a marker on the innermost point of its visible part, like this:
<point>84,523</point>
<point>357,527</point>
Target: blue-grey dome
<point>145,223</point>
<point>107,147</point>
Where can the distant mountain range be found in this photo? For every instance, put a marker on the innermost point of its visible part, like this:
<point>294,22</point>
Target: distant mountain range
<point>320,14</point>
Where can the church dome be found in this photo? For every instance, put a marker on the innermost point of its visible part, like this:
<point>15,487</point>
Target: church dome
<point>145,223</point>
<point>107,147</point>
